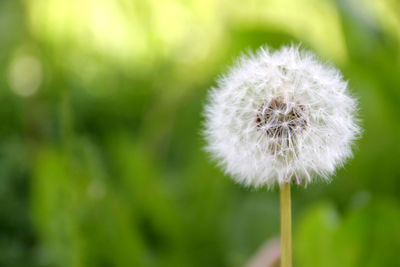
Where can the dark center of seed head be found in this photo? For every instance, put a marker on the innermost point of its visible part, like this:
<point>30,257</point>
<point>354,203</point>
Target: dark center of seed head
<point>280,119</point>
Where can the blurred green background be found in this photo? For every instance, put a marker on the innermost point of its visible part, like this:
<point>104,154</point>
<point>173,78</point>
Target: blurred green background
<point>101,159</point>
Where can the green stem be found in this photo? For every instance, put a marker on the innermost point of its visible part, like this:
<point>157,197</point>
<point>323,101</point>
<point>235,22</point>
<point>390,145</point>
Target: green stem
<point>286,226</point>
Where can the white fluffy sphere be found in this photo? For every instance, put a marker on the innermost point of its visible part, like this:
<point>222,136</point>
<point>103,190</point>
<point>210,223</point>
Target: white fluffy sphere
<point>280,116</point>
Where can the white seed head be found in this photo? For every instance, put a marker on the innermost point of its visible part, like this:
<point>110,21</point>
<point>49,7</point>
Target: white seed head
<point>280,116</point>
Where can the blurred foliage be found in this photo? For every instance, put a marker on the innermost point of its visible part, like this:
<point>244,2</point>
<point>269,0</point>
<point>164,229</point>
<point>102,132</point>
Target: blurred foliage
<point>101,160</point>
<point>366,235</point>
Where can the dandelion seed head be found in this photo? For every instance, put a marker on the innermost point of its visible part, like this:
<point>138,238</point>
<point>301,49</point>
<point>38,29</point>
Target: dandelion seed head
<point>280,116</point>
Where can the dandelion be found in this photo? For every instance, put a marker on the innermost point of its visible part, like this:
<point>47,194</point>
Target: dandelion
<point>278,117</point>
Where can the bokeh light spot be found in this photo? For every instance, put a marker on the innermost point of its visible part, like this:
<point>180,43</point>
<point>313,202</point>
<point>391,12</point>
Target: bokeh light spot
<point>25,75</point>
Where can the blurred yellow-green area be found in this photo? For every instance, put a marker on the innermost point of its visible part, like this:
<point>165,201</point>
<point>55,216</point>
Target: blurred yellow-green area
<point>101,155</point>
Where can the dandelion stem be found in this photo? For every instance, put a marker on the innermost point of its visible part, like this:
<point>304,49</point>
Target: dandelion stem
<point>286,226</point>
